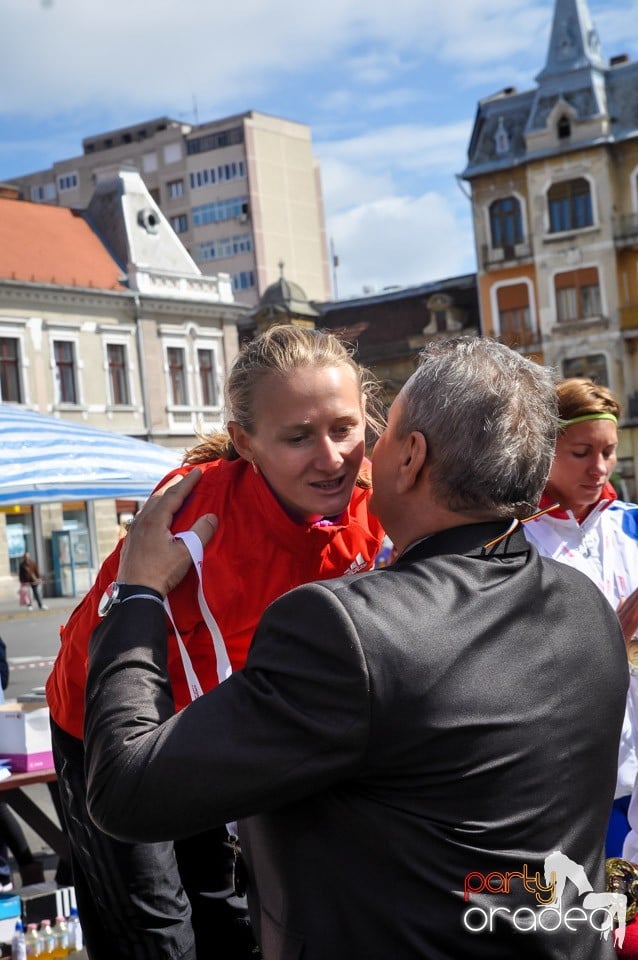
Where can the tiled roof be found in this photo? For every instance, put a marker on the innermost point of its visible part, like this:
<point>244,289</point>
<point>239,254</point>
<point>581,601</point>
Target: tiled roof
<point>46,244</point>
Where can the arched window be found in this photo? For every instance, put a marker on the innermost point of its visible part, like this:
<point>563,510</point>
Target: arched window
<point>506,224</point>
<point>570,206</point>
<point>514,318</point>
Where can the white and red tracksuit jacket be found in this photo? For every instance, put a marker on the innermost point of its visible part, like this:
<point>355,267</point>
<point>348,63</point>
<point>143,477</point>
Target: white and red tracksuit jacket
<point>603,546</point>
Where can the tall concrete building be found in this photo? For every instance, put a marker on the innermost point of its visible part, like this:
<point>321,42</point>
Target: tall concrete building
<point>244,193</point>
<point>554,179</point>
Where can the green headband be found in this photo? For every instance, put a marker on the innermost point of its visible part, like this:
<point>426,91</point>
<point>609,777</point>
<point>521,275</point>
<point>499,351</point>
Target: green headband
<point>589,416</point>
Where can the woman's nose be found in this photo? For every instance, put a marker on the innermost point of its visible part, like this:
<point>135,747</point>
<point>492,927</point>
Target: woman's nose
<point>598,466</point>
<point>329,455</point>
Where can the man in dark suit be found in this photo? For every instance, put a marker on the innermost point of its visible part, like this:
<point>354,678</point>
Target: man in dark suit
<point>405,748</point>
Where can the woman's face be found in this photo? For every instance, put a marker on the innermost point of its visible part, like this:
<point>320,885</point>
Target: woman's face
<point>585,459</point>
<point>308,439</point>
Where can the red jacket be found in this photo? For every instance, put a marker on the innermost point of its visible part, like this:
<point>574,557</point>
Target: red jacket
<point>257,554</point>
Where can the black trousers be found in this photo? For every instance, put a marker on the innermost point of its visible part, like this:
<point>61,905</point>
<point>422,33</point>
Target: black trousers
<point>148,901</point>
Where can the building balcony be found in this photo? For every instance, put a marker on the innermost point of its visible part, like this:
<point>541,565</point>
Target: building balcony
<point>583,325</point>
<point>629,317</point>
<point>626,229</point>
<point>492,257</point>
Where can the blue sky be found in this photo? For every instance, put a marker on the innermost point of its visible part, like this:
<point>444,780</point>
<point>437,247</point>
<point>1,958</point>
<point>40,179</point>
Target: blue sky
<point>388,87</point>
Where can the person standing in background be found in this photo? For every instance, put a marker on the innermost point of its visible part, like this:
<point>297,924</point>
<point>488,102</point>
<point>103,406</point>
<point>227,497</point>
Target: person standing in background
<point>29,574</point>
<point>593,531</point>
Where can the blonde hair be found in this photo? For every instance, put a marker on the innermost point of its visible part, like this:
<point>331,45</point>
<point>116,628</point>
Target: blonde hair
<point>580,397</point>
<point>281,350</point>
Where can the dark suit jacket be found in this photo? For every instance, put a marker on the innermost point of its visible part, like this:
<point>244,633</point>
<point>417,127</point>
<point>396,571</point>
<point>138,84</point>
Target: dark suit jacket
<point>396,737</point>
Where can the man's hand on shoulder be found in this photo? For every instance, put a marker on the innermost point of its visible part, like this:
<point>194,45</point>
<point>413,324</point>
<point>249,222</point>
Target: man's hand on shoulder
<point>151,555</point>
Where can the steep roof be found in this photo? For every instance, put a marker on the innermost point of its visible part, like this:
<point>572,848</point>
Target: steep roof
<point>53,245</point>
<point>131,224</point>
<point>574,42</point>
<point>600,99</point>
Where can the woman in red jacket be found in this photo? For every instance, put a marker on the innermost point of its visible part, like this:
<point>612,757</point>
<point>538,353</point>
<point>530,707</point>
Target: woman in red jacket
<point>290,479</point>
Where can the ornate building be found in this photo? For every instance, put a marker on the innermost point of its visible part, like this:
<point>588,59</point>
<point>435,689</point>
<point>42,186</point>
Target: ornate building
<point>554,179</point>
<point>106,321</point>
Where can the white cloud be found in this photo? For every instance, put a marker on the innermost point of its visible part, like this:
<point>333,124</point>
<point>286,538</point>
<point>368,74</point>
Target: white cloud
<point>390,90</point>
<point>344,186</point>
<point>404,147</point>
<point>400,240</point>
<point>74,52</point>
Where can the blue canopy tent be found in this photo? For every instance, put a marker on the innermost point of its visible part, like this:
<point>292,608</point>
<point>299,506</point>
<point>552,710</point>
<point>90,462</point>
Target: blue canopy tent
<point>45,459</point>
<point>49,460</point>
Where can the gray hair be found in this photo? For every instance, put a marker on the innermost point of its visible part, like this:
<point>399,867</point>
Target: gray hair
<point>490,419</point>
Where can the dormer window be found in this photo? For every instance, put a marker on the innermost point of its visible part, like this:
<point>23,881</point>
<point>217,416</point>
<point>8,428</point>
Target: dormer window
<point>438,307</point>
<point>564,128</point>
<point>501,139</point>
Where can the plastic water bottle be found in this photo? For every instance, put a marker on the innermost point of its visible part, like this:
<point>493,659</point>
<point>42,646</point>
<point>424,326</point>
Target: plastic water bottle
<point>18,944</point>
<point>33,940</point>
<point>61,934</point>
<point>48,940</point>
<point>76,940</point>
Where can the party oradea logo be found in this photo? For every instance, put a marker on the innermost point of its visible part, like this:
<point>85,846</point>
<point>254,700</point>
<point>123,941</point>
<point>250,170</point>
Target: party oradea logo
<point>604,912</point>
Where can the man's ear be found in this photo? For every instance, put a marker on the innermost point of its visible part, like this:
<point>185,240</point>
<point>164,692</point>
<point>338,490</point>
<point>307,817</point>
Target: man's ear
<point>241,440</point>
<point>413,456</point>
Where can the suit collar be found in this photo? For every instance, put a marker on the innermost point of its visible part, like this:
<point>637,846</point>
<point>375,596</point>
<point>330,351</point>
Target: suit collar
<point>470,540</point>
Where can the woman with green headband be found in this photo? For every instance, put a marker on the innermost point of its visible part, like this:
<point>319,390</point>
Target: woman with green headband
<point>590,529</point>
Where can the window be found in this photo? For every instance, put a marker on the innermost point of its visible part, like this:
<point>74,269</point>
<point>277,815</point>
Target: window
<point>243,280</point>
<point>172,151</point>
<point>10,370</point>
<point>564,128</point>
<point>226,247</point>
<point>175,189</point>
<point>64,356</point>
<point>207,377</point>
<point>570,206</point>
<point>180,223</point>
<point>505,222</point>
<point>214,141</point>
<point>68,182</point>
<point>222,210</point>
<point>149,162</point>
<point>201,178</point>
<point>592,367</point>
<point>514,313</point>
<point>45,191</point>
<point>118,373</point>
<point>177,375</point>
<point>577,295</point>
<point>231,171</point>
<point>440,320</point>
